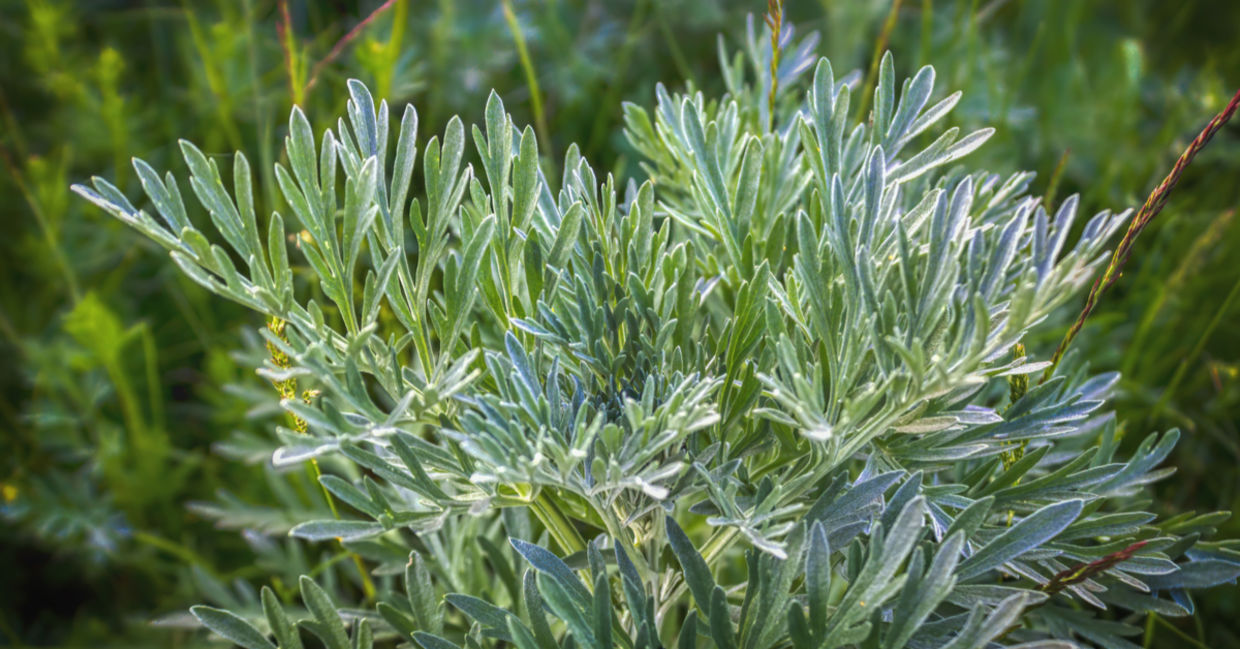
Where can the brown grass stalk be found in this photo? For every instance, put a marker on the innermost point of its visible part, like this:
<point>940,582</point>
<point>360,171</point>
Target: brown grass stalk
<point>338,48</point>
<point>1081,572</point>
<point>1153,205</point>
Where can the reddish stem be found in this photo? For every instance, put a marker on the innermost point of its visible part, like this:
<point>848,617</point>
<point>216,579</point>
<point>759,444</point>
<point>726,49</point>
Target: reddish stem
<point>1153,205</point>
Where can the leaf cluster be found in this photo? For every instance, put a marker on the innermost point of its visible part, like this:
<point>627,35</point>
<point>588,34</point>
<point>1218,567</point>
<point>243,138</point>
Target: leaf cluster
<point>790,343</point>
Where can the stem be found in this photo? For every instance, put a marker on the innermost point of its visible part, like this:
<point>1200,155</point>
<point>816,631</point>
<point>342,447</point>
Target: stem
<point>344,41</point>
<point>673,47</point>
<point>599,129</point>
<point>1188,265</point>
<point>288,390</point>
<point>560,528</point>
<point>391,50</point>
<point>714,547</point>
<point>215,78</point>
<point>1153,205</point>
<point>10,633</point>
<point>45,227</point>
<point>288,45</point>
<point>871,78</point>
<point>368,586</point>
<point>171,547</point>
<point>927,32</point>
<point>1048,201</point>
<point>262,125</point>
<point>1183,636</point>
<point>153,393</point>
<point>615,529</point>
<point>531,79</point>
<point>1192,356</point>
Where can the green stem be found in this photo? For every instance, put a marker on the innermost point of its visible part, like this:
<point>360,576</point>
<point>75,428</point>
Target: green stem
<point>598,130</point>
<point>531,78</point>
<point>615,529</point>
<point>927,32</point>
<point>560,528</point>
<point>1183,636</point>
<point>1192,356</point>
<point>880,46</point>
<point>153,392</point>
<point>368,585</point>
<point>171,547</point>
<point>9,633</point>
<point>673,46</point>
<point>50,236</point>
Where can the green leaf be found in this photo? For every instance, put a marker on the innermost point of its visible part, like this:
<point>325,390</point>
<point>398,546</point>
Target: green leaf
<point>1031,532</point>
<point>921,597</point>
<point>282,628</point>
<point>553,567</point>
<point>818,575</point>
<point>533,602</point>
<point>493,618</point>
<point>432,641</point>
<point>696,572</point>
<point>351,495</point>
<point>330,628</point>
<point>602,612</point>
<point>721,621</point>
<point>421,595</point>
<point>231,627</point>
<point>565,237</point>
<point>342,530</point>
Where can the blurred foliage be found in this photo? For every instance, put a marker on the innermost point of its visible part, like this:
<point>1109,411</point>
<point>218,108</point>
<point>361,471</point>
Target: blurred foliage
<point>118,400</point>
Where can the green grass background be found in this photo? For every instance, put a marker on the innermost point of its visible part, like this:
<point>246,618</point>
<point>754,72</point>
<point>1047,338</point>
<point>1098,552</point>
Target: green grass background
<point>124,397</point>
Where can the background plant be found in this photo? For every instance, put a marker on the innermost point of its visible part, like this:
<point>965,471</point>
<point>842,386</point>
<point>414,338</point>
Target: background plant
<point>961,41</point>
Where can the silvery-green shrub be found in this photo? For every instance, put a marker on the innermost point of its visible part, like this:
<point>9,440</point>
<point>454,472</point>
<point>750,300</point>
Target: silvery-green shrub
<point>770,395</point>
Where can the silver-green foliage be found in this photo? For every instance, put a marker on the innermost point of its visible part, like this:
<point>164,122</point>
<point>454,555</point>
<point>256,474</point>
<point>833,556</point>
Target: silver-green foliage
<point>784,354</point>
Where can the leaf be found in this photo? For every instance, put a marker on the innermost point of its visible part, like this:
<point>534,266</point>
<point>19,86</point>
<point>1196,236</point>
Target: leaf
<point>421,595</point>
<point>697,573</point>
<point>231,627</point>
<point>491,617</point>
<point>565,236</point>
<point>721,621</point>
<point>1031,532</point>
<point>565,607</point>
<point>432,641</point>
<point>818,575</point>
<point>1203,573</point>
<point>688,632</point>
<point>602,612</point>
<point>402,622</point>
<point>534,611</point>
<point>342,530</point>
<point>920,598</point>
<point>834,513</point>
<point>979,632</point>
<point>282,628</point>
<point>351,495</point>
<point>388,471</point>
<point>630,580</point>
<point>553,567</point>
<point>521,635</point>
<point>330,628</point>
